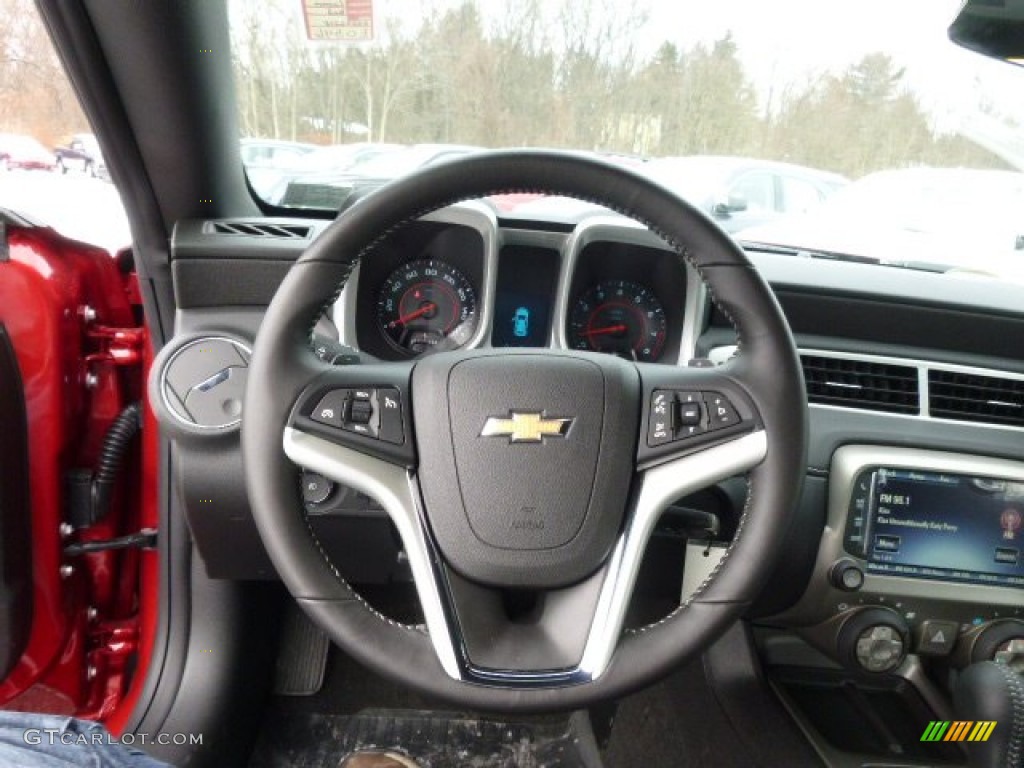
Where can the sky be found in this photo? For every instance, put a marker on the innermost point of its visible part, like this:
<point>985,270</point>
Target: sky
<point>792,40</point>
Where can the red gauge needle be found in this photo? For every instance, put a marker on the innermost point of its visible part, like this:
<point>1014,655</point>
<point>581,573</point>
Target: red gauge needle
<point>609,329</point>
<point>404,319</point>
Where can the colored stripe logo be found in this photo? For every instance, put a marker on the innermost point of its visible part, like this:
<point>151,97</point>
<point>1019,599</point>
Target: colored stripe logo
<point>958,730</point>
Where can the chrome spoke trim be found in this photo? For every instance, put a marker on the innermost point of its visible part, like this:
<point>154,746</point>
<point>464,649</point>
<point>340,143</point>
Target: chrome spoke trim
<point>658,488</point>
<point>396,491</point>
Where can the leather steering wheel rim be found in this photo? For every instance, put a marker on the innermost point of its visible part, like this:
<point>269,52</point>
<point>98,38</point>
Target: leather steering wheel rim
<point>766,367</point>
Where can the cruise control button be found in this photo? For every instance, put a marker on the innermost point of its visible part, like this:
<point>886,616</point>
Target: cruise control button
<point>721,412</point>
<point>360,411</point>
<point>359,429</point>
<point>691,403</point>
<point>690,414</point>
<point>331,408</point>
<point>389,406</point>
<point>691,430</point>
<point>689,397</point>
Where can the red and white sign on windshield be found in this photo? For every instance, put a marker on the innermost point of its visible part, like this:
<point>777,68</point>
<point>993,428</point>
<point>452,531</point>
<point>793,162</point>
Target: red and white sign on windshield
<point>342,21</point>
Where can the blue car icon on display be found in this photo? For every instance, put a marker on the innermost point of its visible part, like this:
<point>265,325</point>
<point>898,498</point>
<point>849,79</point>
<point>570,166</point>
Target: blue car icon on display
<point>521,323</point>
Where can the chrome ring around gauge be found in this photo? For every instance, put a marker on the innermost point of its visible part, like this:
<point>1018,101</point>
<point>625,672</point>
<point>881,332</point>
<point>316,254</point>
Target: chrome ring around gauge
<point>619,317</point>
<point>426,305</point>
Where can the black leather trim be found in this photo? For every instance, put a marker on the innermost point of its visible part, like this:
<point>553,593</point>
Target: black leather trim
<point>988,691</point>
<point>767,366</point>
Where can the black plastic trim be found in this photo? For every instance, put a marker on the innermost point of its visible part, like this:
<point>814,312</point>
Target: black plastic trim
<point>15,512</point>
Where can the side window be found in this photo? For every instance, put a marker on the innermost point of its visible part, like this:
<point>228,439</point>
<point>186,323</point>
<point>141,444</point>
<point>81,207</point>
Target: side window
<point>51,166</point>
<point>758,189</point>
<point>798,196</point>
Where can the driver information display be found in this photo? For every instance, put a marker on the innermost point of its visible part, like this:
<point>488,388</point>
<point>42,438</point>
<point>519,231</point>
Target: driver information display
<point>938,526</point>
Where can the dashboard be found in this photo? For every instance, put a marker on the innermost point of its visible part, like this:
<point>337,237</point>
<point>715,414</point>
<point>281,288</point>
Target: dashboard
<point>457,280</point>
<point>905,555</point>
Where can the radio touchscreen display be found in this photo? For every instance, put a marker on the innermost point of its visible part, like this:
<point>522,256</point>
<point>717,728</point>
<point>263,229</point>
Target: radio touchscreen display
<point>937,525</point>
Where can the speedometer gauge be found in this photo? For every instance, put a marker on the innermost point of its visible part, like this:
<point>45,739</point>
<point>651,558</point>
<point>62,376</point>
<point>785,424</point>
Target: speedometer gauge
<point>425,305</point>
<point>619,317</point>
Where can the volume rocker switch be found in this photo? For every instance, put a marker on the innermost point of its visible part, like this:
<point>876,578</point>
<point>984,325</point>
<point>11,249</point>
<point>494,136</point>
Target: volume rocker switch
<point>721,412</point>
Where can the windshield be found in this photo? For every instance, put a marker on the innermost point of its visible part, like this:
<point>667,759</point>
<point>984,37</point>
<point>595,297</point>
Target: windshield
<point>341,157</point>
<point>691,177</point>
<point>760,112</point>
<point>402,161</point>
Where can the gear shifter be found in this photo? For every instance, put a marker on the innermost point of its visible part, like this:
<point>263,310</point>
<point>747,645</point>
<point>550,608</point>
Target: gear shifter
<point>993,692</point>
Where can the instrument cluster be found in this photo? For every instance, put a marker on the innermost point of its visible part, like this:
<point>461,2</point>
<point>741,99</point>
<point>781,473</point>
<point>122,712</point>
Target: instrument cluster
<point>447,284</point>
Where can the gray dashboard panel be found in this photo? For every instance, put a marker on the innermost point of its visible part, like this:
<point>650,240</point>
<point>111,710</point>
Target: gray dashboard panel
<point>950,292</point>
<point>833,427</point>
<point>224,282</point>
<point>921,598</point>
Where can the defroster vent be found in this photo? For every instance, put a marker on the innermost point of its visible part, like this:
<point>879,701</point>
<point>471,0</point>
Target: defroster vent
<point>864,384</point>
<point>261,229</point>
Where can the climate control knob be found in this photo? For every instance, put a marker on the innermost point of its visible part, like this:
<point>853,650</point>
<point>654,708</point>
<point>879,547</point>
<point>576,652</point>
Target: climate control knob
<point>874,640</point>
<point>880,648</point>
<point>1001,641</point>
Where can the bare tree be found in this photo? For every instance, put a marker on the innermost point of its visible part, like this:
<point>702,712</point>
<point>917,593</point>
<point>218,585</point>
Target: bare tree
<point>35,95</point>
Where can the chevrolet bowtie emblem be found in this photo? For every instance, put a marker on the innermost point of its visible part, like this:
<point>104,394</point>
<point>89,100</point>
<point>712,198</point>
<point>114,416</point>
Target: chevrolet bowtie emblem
<point>525,427</point>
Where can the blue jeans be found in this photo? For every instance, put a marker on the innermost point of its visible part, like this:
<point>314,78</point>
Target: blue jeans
<point>28,740</point>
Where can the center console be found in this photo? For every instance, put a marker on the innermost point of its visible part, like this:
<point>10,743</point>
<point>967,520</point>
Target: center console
<point>935,538</point>
<point>919,573</point>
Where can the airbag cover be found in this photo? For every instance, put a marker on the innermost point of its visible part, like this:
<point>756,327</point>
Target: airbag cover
<point>509,506</point>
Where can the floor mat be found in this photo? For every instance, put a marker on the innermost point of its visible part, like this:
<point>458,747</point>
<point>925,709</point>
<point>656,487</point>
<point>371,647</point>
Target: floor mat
<point>432,738</point>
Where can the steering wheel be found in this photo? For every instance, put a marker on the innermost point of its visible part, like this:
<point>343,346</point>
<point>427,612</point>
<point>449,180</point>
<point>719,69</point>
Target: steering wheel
<point>533,471</point>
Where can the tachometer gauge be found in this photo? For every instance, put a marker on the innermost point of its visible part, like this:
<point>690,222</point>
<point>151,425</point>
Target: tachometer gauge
<point>427,305</point>
<point>619,317</point>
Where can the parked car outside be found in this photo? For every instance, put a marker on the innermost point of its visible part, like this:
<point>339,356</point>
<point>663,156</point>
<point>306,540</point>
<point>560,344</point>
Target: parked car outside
<point>948,217</point>
<point>265,160</point>
<point>736,192</point>
<point>332,159</point>
<point>740,192</point>
<point>82,153</point>
<point>333,191</point>
<point>18,152</point>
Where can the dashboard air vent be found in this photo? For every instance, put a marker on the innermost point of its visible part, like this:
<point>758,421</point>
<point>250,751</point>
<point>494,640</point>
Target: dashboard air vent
<point>861,384</point>
<point>970,397</point>
<point>261,229</point>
